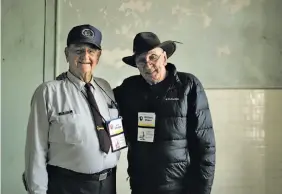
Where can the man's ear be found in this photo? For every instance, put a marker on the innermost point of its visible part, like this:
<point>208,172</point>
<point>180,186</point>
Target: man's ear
<point>99,55</point>
<point>67,54</point>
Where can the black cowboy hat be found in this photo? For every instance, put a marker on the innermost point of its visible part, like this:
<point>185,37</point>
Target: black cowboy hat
<point>145,41</point>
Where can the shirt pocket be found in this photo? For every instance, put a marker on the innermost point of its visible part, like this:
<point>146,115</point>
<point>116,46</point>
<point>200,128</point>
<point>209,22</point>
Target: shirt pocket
<point>67,129</point>
<point>113,113</point>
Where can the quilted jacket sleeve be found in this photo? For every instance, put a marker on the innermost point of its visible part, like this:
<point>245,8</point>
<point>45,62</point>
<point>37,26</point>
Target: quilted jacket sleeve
<point>201,140</point>
<point>119,93</point>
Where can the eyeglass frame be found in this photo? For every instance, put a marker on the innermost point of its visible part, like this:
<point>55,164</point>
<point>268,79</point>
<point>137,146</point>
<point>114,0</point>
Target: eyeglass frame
<point>145,57</point>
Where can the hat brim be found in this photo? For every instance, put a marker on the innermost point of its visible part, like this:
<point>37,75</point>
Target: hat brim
<point>168,46</point>
<point>87,41</point>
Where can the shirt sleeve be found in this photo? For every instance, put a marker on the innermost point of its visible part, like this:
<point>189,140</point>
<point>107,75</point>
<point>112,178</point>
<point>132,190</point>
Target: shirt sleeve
<point>37,143</point>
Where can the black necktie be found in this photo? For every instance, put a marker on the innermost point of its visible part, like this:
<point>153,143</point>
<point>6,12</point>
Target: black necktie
<point>104,139</point>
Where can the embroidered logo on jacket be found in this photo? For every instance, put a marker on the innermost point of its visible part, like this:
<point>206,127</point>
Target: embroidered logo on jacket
<point>172,99</point>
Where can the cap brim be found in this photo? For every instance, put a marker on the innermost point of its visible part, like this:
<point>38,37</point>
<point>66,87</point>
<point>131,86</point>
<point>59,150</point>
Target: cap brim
<point>168,46</point>
<point>87,41</point>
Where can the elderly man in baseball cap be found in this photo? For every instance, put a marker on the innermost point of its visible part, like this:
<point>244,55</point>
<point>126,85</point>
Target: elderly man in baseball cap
<point>69,149</point>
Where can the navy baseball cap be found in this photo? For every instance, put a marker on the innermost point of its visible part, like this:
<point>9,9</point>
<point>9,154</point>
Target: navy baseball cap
<point>85,34</point>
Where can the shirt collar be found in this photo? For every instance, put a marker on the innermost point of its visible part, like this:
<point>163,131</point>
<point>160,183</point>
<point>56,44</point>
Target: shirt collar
<point>77,82</point>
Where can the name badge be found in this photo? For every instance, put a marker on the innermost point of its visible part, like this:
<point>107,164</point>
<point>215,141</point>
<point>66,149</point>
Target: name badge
<point>116,132</point>
<point>146,127</point>
<point>146,119</point>
<point>146,134</point>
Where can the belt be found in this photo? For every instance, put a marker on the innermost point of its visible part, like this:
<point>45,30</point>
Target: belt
<point>58,171</point>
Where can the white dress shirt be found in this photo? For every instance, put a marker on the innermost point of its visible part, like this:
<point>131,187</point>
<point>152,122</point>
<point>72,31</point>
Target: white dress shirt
<point>61,130</point>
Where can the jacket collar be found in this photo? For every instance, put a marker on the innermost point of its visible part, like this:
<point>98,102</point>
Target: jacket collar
<point>175,80</point>
<point>172,71</point>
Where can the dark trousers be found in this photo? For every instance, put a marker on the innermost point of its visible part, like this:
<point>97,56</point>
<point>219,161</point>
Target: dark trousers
<point>153,192</point>
<point>150,191</point>
<point>62,181</point>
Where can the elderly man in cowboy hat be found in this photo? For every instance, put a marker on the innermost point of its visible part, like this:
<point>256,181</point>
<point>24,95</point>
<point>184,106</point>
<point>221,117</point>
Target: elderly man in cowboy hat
<point>168,125</point>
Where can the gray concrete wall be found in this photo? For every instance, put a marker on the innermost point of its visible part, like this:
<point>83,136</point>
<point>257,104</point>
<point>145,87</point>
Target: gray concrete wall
<point>226,43</point>
<point>22,70</point>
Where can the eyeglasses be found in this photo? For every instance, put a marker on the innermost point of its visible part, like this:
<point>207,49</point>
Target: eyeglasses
<point>145,58</point>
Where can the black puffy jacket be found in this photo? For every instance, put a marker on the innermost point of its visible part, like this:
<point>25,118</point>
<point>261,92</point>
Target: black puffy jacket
<point>181,159</point>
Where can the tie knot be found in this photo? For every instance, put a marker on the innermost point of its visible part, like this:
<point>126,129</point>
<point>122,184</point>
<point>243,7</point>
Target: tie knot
<point>88,86</point>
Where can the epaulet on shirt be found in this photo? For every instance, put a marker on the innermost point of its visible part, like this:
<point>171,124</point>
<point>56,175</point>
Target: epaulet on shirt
<point>62,76</point>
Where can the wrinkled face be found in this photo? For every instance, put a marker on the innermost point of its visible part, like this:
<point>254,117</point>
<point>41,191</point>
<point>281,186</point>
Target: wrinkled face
<point>82,58</point>
<point>152,65</point>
